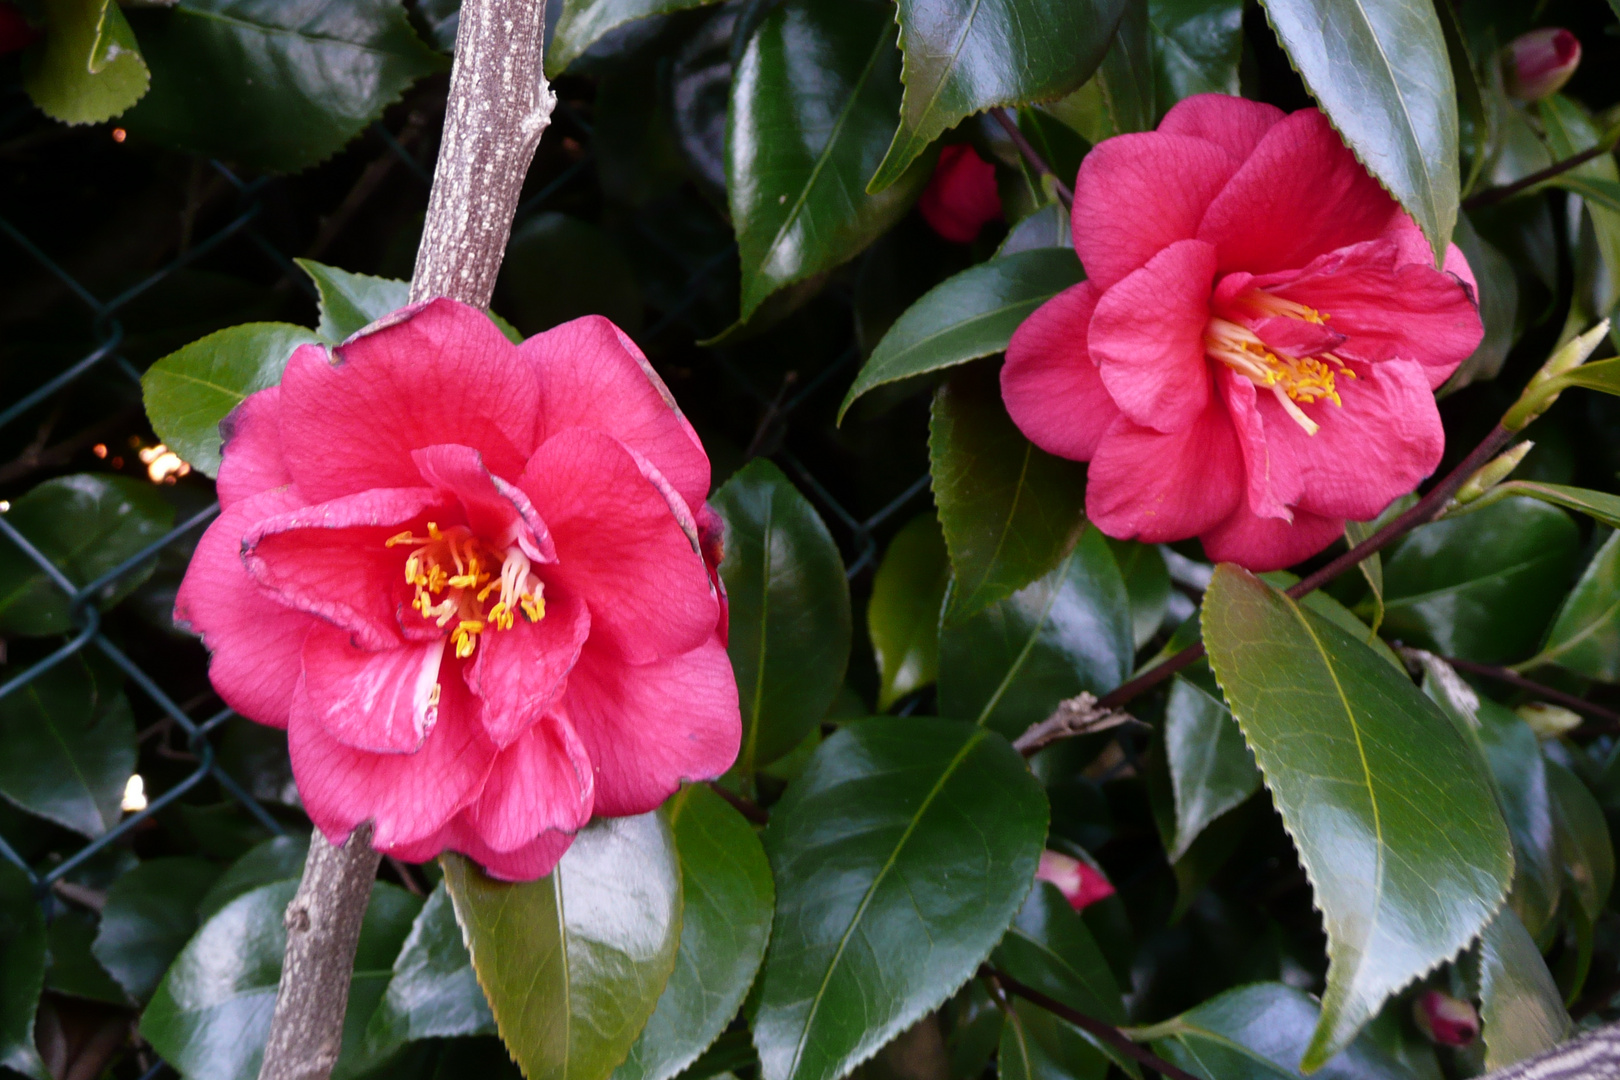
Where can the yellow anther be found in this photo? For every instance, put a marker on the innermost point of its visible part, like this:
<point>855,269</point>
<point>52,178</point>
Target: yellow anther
<point>433,695</point>
<point>458,597</point>
<point>533,607</point>
<point>402,538</point>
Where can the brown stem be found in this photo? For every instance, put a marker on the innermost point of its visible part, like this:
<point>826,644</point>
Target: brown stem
<point>1032,155</point>
<point>1492,196</point>
<point>748,808</point>
<point>1610,720</point>
<point>499,105</point>
<point>1108,1033</point>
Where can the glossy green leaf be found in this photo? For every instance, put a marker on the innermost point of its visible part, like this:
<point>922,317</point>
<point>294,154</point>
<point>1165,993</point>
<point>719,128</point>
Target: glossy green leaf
<point>1211,768</point>
<point>22,972</point>
<point>900,856</point>
<point>271,85</point>
<point>350,302</point>
<point>1391,810</point>
<point>1372,567</point>
<point>70,747</point>
<point>1010,510</point>
<point>151,913</point>
<point>1127,78</point>
<point>1569,130</point>
<point>1520,772</point>
<point>1603,375</point>
<point>1035,1045</point>
<point>725,922</point>
<point>967,316</point>
<point>584,22</point>
<point>1147,582</point>
<point>790,618</point>
<point>1598,505</point>
<point>1598,190</point>
<point>71,968</point>
<point>573,964</point>
<point>190,392</point>
<point>965,56</point>
<point>280,858</point>
<point>433,991</point>
<point>1520,1013</point>
<point>1197,45</point>
<point>86,525</point>
<point>210,1016</point>
<point>1585,637</point>
<point>1261,1032</point>
<point>88,68</point>
<point>1498,305</point>
<point>902,618</point>
<point>1379,69</point>
<point>1010,665</point>
<point>1047,227</point>
<point>1583,840</point>
<point>1048,947</point>
<point>1482,586</point>
<point>812,108</point>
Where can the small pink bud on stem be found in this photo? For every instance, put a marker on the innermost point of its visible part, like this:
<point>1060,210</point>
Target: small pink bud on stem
<point>1540,62</point>
<point>1445,1020</point>
<point>1080,885</point>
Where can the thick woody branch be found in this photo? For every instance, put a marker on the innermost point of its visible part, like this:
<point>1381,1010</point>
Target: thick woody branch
<point>499,106</point>
<point>1593,1056</point>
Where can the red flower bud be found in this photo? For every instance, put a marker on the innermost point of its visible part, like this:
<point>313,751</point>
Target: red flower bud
<point>961,198</point>
<point>1540,62</point>
<point>1080,885</point>
<point>1447,1021</point>
<point>15,33</point>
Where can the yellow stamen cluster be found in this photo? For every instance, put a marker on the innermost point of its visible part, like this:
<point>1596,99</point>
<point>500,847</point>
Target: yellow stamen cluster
<point>1291,379</point>
<point>454,577</point>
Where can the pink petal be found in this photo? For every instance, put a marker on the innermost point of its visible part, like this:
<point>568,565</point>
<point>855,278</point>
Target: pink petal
<point>591,375</point>
<point>619,547</point>
<point>1380,445</point>
<point>409,796</point>
<point>1271,491</point>
<point>497,512</point>
<point>256,642</point>
<point>648,727</point>
<point>1299,195</point>
<point>1154,487</point>
<point>541,782</point>
<point>439,374</point>
<point>377,701</point>
<point>1147,337</point>
<point>1262,544</point>
<point>1296,337</point>
<point>1232,123</point>
<point>711,529</point>
<point>332,560</point>
<point>1137,194</point>
<point>519,673</point>
<point>1050,383</point>
<point>531,862</point>
<point>1387,309</point>
<point>250,454</point>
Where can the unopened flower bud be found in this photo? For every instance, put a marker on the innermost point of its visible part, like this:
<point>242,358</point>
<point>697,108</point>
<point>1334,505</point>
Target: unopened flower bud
<point>961,199</point>
<point>1080,884</point>
<point>1548,721</point>
<point>1493,472</point>
<point>1447,1021</point>
<point>1538,397</point>
<point>1540,62</point>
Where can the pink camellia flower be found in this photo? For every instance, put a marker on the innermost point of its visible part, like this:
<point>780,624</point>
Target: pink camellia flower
<point>466,577</point>
<point>1253,356</point>
<point>1080,885</point>
<point>961,198</point>
<point>1447,1021</point>
<point>1541,62</point>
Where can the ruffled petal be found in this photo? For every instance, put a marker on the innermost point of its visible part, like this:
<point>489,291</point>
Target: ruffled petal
<point>497,512</point>
<point>438,373</point>
<point>541,782</point>
<point>410,797</point>
<point>1138,194</point>
<point>648,727</point>
<point>250,452</point>
<point>1233,123</point>
<point>620,548</point>
<point>384,702</point>
<point>592,375</point>
<point>518,674</point>
<point>333,561</point>
<point>1147,336</point>
<point>1050,383</point>
<point>1154,487</point>
<point>1299,195</point>
<point>256,642</point>
<point>530,862</point>
<point>1264,543</point>
<point>1270,491</point>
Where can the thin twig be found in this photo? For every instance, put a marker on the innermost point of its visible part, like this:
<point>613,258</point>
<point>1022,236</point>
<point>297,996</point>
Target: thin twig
<point>1609,718</point>
<point>1032,155</point>
<point>1492,196</point>
<point>748,808</point>
<point>1075,716</point>
<point>1107,1032</point>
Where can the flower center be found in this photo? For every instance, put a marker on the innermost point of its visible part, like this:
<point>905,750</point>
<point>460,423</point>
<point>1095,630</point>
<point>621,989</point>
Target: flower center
<point>1291,379</point>
<point>454,576</point>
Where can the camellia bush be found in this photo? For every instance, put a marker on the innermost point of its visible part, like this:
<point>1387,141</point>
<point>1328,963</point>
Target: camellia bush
<point>804,539</point>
